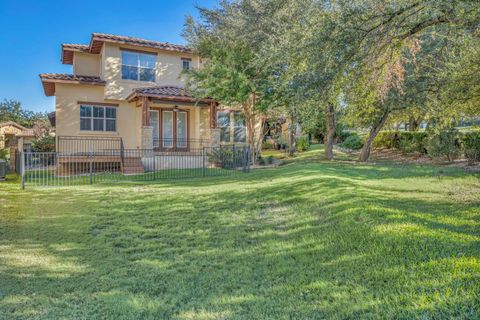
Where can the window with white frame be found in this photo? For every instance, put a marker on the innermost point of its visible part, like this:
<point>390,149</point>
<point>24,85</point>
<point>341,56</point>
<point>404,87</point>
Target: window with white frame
<point>138,66</point>
<point>186,63</point>
<point>98,118</point>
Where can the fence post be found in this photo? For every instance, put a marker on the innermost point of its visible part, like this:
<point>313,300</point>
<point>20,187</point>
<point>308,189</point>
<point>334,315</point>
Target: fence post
<point>234,164</point>
<point>244,160</point>
<point>91,168</point>
<point>22,168</point>
<point>203,161</point>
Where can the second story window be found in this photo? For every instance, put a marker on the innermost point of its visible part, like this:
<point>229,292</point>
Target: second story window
<point>186,63</point>
<point>138,66</point>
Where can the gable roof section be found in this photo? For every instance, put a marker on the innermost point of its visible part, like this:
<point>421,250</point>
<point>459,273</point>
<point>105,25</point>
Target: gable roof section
<point>98,39</point>
<point>13,124</point>
<point>25,132</point>
<point>49,80</point>
<point>169,93</point>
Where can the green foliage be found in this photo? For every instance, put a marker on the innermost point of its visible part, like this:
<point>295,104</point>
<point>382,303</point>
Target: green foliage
<point>444,144</point>
<point>11,110</point>
<point>44,144</point>
<point>405,141</point>
<point>302,144</point>
<point>5,153</point>
<point>226,157</point>
<point>353,141</point>
<point>471,144</point>
<point>267,145</point>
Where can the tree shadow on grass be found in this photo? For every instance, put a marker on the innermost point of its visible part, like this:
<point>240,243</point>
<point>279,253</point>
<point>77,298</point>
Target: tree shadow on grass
<point>301,247</point>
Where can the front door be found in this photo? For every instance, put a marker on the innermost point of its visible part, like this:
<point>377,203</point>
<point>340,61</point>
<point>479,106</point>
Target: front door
<point>174,129</point>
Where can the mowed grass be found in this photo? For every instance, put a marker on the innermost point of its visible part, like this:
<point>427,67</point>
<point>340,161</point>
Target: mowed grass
<point>307,240</point>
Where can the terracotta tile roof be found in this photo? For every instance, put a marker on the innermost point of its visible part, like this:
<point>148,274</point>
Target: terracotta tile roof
<point>104,37</point>
<point>49,80</point>
<point>172,93</point>
<point>27,133</point>
<point>98,39</point>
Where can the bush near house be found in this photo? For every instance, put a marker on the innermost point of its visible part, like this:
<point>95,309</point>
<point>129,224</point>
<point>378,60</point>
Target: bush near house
<point>44,144</point>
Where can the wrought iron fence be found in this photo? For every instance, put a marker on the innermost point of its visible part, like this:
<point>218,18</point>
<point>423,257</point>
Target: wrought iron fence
<point>79,168</point>
<point>166,144</point>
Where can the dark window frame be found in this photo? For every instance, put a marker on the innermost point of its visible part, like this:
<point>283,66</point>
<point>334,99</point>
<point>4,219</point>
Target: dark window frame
<point>104,118</point>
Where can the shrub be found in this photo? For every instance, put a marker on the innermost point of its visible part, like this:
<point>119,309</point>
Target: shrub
<point>270,159</point>
<point>443,144</point>
<point>45,144</point>
<point>225,157</point>
<point>471,143</point>
<point>353,142</point>
<point>267,145</point>
<point>406,141</point>
<point>344,134</point>
<point>303,144</point>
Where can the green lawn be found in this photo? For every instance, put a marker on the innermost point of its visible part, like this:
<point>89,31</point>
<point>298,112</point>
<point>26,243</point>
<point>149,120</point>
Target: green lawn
<point>307,240</point>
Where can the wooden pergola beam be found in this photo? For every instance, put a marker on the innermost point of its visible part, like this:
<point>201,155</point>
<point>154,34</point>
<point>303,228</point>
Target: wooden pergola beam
<point>213,115</point>
<point>145,103</point>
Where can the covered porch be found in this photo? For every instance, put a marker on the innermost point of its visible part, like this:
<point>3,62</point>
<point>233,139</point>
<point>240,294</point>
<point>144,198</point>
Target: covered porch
<point>174,121</point>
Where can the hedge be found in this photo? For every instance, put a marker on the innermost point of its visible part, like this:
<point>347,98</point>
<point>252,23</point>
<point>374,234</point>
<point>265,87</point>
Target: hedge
<point>406,141</point>
<point>471,145</point>
<point>416,141</point>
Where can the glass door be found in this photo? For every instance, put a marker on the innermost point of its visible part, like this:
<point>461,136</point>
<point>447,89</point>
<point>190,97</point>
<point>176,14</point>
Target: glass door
<point>154,122</point>
<point>167,129</point>
<point>181,137</point>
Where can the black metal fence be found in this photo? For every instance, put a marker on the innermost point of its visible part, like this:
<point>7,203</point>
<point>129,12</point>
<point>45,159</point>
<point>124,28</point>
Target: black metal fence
<point>48,169</point>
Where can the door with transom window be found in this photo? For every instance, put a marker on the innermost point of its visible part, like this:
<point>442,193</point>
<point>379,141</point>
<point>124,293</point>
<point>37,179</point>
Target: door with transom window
<point>171,128</point>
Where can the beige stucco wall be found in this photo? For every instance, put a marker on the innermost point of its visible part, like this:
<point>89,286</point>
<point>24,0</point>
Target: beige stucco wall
<point>68,114</point>
<point>86,64</point>
<point>129,117</point>
<point>168,70</point>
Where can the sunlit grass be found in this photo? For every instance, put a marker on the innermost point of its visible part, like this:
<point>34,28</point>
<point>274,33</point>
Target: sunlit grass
<point>309,239</point>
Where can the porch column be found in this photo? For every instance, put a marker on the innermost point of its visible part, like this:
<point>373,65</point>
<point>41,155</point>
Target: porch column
<point>214,130</point>
<point>146,130</point>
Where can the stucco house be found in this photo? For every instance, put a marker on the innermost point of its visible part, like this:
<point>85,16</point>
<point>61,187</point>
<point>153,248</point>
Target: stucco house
<point>132,89</point>
<point>15,135</point>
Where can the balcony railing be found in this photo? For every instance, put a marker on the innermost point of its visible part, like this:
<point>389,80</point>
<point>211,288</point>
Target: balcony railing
<point>85,145</point>
<point>179,144</point>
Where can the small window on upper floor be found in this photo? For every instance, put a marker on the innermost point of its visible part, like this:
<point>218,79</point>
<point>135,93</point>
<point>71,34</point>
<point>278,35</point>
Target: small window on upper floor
<point>186,63</point>
<point>138,66</point>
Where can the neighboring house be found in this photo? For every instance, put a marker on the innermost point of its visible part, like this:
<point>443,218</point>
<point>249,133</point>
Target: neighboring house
<point>14,135</point>
<point>133,89</point>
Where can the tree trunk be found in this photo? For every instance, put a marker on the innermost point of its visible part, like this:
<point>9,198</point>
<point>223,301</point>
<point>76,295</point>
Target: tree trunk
<point>329,135</point>
<point>291,133</point>
<point>367,147</point>
<point>413,124</point>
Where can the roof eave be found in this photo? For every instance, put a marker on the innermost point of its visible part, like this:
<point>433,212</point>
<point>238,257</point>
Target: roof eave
<point>135,95</point>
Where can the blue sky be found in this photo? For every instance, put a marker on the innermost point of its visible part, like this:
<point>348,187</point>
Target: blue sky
<point>33,30</point>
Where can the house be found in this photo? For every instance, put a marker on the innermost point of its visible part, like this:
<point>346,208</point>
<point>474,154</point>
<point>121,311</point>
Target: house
<point>12,135</point>
<point>132,90</point>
